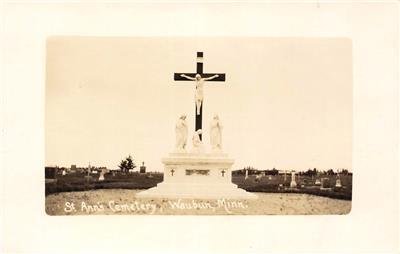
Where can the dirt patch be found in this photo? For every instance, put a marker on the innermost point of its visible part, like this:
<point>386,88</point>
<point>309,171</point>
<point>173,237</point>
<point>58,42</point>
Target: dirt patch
<point>120,201</point>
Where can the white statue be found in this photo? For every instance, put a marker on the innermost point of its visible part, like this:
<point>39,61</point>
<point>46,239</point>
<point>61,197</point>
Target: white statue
<point>199,89</point>
<point>181,131</point>
<point>197,143</point>
<point>216,135</point>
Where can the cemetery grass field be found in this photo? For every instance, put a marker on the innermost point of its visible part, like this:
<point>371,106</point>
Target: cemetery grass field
<point>267,184</point>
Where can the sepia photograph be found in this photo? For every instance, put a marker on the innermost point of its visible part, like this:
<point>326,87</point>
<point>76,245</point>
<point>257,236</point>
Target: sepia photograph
<point>198,126</point>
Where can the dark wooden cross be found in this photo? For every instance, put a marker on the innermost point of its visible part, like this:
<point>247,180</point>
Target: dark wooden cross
<point>223,173</point>
<point>199,70</point>
<point>172,172</point>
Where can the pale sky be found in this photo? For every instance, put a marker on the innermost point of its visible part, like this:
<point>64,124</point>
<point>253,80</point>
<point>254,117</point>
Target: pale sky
<point>286,102</point>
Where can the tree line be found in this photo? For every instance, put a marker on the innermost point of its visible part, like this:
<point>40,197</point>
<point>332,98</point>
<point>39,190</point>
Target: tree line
<point>274,171</point>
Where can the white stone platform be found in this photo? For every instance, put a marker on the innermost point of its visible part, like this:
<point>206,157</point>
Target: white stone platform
<point>197,176</point>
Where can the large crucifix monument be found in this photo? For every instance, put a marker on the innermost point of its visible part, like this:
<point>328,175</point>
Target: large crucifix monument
<point>198,173</point>
<point>199,77</point>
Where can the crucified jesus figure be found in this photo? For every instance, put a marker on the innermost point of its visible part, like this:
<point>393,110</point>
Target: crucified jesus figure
<point>199,89</point>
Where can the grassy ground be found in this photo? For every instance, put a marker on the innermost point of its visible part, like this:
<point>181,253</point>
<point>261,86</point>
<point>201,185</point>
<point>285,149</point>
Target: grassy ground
<point>305,184</point>
<point>80,182</point>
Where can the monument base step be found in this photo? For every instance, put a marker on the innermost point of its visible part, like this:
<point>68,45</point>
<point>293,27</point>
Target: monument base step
<point>196,191</point>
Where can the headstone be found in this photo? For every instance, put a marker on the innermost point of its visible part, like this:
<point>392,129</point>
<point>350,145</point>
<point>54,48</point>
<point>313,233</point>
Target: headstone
<point>101,177</point>
<point>338,182</point>
<point>64,172</point>
<point>325,183</point>
<point>102,173</point>
<point>318,182</point>
<point>246,174</point>
<point>142,169</point>
<point>293,183</point>
<point>87,176</point>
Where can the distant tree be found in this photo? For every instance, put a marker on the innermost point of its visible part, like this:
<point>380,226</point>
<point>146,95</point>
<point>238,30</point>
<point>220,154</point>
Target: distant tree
<point>330,172</point>
<point>310,172</point>
<point>130,165</point>
<point>122,165</point>
<point>127,164</point>
<point>272,172</point>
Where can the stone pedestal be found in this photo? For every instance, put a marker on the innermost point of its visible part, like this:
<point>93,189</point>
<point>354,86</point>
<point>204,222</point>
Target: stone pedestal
<point>200,176</point>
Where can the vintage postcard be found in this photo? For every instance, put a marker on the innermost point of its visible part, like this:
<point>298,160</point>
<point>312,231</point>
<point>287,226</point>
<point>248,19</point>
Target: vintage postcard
<point>198,126</point>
